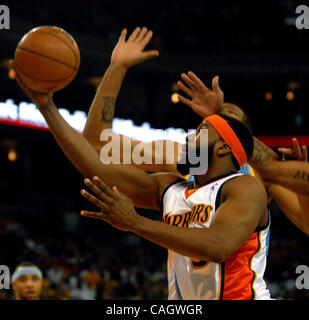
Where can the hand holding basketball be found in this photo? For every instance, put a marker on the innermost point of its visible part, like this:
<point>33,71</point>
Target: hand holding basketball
<point>46,59</point>
<point>39,98</point>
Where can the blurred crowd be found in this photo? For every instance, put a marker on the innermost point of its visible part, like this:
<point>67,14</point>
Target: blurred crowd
<point>86,259</point>
<point>89,261</point>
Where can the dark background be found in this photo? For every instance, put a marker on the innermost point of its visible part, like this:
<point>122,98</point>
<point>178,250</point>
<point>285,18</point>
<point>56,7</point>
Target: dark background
<point>253,46</point>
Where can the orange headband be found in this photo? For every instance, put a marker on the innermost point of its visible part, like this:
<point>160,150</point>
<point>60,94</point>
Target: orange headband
<point>229,136</point>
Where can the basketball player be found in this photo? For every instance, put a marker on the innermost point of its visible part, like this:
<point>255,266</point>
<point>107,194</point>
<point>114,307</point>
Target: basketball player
<point>291,174</point>
<point>293,202</point>
<point>216,228</point>
<point>204,102</point>
<point>201,266</point>
<point>27,282</point>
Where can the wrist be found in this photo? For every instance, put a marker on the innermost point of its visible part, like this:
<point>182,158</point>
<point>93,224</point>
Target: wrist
<point>120,65</point>
<point>48,104</point>
<point>138,223</point>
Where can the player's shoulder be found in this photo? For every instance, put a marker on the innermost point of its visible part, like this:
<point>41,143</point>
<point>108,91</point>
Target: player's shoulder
<point>243,185</point>
<point>245,180</point>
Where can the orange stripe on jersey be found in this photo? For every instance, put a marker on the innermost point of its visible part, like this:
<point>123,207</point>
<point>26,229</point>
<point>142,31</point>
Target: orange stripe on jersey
<point>250,264</point>
<point>238,274</point>
<point>220,283</point>
<point>169,258</point>
<point>188,192</point>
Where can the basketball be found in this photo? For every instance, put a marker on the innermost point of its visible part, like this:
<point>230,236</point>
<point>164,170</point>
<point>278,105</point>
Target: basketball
<point>46,59</point>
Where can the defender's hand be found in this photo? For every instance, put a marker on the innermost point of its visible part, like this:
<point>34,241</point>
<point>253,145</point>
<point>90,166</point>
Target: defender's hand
<point>130,52</point>
<point>116,208</point>
<point>204,101</point>
<point>295,153</point>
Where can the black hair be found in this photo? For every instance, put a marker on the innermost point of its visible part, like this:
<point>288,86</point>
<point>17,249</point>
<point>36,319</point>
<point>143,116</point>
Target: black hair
<point>244,135</point>
<point>245,117</point>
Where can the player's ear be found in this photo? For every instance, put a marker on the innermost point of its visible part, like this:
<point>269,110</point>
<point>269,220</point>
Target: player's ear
<point>223,148</point>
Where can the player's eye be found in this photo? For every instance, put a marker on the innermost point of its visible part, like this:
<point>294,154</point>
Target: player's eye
<point>22,279</point>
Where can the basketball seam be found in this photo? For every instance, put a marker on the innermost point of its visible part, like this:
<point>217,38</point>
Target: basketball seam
<point>47,57</point>
<point>53,35</point>
<point>30,76</point>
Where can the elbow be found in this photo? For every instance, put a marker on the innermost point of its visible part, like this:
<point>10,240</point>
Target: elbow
<point>94,145</point>
<point>219,251</point>
<point>219,256</point>
<point>306,230</point>
<point>86,136</point>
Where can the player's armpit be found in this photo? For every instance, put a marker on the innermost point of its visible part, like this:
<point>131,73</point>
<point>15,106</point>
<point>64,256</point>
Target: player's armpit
<point>243,208</point>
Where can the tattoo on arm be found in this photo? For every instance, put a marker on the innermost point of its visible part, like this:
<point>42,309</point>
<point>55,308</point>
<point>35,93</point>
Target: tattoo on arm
<point>108,109</point>
<point>301,175</point>
<point>261,153</point>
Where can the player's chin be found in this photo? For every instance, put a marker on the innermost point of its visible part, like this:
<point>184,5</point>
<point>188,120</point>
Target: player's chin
<point>30,295</point>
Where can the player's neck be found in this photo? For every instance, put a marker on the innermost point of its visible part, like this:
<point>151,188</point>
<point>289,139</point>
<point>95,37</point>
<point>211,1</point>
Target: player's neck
<point>214,170</point>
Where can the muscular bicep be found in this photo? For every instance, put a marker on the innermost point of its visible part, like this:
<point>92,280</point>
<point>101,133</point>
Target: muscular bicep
<point>142,188</point>
<point>243,207</point>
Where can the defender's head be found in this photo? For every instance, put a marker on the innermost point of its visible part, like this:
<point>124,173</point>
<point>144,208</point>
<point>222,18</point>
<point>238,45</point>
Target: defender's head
<point>27,281</point>
<point>234,111</point>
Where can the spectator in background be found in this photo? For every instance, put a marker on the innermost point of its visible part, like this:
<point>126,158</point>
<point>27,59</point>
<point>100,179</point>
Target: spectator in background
<point>92,277</point>
<point>27,282</point>
<point>55,276</point>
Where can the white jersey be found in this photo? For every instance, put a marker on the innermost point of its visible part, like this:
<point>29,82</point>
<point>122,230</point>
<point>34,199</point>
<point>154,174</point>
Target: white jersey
<point>240,277</point>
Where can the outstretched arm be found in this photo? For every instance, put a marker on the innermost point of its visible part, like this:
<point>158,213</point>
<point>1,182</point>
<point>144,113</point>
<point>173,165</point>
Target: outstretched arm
<point>242,209</point>
<point>126,54</point>
<point>144,189</point>
<point>294,206</point>
<point>291,174</point>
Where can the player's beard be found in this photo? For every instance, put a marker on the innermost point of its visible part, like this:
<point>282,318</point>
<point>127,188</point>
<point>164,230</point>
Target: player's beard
<point>183,167</point>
